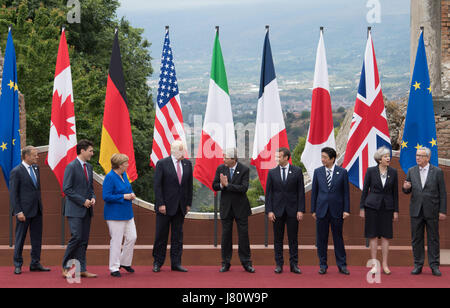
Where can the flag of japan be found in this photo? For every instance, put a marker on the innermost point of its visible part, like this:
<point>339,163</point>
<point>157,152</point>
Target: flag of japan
<point>321,132</point>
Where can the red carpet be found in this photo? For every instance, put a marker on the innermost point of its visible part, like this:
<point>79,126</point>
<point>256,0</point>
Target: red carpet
<point>209,277</point>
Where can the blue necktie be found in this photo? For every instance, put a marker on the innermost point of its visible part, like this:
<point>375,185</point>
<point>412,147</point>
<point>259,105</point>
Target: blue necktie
<point>33,177</point>
<point>284,174</point>
<point>231,173</point>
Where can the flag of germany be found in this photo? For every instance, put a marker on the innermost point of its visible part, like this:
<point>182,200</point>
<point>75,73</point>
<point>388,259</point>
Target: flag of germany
<point>116,130</point>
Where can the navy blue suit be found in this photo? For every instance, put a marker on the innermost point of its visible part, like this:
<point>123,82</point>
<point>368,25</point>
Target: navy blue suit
<point>329,204</point>
<point>285,199</point>
<point>25,197</point>
<point>78,189</point>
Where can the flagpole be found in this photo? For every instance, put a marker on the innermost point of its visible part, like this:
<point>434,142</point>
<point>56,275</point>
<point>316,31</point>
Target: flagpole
<point>266,217</point>
<point>63,220</point>
<point>369,29</point>
<point>216,199</point>
<point>10,205</point>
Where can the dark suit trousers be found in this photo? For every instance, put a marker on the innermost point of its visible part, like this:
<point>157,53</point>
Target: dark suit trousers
<point>278,235</point>
<point>35,225</point>
<point>418,225</point>
<point>323,228</point>
<point>243,240</point>
<point>164,223</point>
<point>78,243</point>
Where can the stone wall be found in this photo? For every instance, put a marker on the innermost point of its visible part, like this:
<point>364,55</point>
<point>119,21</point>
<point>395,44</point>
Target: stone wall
<point>445,43</point>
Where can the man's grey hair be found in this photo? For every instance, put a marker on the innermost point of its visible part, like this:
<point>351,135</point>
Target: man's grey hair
<point>231,153</point>
<point>27,150</point>
<point>380,153</point>
<point>427,150</point>
<point>177,145</point>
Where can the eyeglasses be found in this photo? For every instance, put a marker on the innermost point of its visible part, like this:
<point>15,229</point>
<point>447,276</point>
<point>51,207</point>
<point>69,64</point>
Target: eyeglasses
<point>420,155</point>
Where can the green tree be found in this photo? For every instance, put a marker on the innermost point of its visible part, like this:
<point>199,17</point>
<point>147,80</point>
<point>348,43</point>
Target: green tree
<point>36,31</point>
<point>297,153</point>
<point>254,192</point>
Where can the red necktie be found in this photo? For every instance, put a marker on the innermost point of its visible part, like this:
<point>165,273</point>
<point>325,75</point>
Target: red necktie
<point>85,173</point>
<point>179,172</point>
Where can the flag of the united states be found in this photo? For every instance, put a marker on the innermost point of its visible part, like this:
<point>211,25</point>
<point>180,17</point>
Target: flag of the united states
<point>169,118</point>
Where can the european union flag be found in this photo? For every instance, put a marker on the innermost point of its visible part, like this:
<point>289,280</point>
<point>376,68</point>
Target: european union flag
<point>9,113</point>
<point>420,126</point>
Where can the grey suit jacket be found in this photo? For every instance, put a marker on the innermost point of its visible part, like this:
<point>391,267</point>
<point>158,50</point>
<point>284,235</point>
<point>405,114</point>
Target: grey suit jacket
<point>432,197</point>
<point>77,189</point>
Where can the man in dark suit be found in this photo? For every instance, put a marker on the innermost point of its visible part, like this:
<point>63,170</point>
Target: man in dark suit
<point>330,205</point>
<point>428,206</point>
<point>173,185</point>
<point>232,180</point>
<point>285,205</point>
<point>78,186</point>
<point>26,203</point>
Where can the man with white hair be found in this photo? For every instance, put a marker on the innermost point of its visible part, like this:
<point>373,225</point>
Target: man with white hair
<point>232,180</point>
<point>428,206</point>
<point>173,184</point>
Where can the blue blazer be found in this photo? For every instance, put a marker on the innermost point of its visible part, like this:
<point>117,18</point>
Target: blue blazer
<point>336,199</point>
<point>77,189</point>
<point>116,207</point>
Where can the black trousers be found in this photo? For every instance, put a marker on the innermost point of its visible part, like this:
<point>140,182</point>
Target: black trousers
<point>243,240</point>
<point>78,243</point>
<point>165,223</point>
<point>418,225</point>
<point>323,229</point>
<point>35,226</point>
<point>278,235</point>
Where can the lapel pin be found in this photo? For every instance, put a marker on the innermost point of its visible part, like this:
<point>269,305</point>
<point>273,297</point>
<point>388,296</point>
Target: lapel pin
<point>337,172</point>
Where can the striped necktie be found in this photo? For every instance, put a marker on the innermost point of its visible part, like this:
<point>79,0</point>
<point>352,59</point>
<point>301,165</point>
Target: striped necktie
<point>329,178</point>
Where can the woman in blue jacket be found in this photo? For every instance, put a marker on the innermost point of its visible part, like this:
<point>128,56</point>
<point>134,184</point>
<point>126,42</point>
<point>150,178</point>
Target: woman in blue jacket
<point>118,213</point>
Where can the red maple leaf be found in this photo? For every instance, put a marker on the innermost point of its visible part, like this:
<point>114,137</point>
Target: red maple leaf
<point>61,113</point>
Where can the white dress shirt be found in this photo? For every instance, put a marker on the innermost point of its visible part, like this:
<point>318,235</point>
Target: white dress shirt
<point>332,171</point>
<point>286,171</point>
<point>28,168</point>
<point>234,171</point>
<point>424,173</point>
<point>175,162</point>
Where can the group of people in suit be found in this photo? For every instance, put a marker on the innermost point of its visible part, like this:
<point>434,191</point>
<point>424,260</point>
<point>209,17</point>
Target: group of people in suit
<point>285,208</point>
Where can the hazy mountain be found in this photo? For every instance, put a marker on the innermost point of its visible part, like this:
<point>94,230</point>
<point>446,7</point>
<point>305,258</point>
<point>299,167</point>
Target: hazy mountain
<point>294,33</point>
<point>294,28</point>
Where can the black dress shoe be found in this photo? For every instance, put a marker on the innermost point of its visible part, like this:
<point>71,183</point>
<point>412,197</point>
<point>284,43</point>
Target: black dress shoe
<point>249,268</point>
<point>343,270</point>
<point>179,268</point>
<point>295,269</point>
<point>278,269</point>
<point>116,274</point>
<point>416,271</point>
<point>38,268</point>
<point>156,268</point>
<point>129,269</point>
<point>436,272</point>
<point>322,271</point>
<point>17,270</point>
<point>225,268</point>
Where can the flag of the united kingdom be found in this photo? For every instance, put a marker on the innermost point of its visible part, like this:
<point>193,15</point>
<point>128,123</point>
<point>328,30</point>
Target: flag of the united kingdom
<point>369,128</point>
